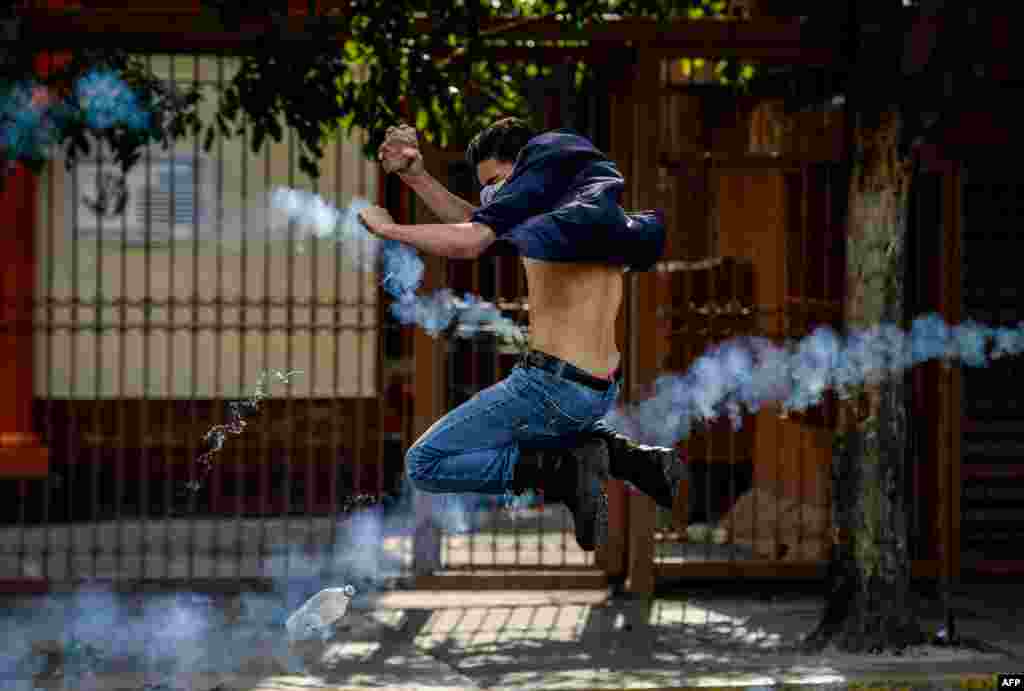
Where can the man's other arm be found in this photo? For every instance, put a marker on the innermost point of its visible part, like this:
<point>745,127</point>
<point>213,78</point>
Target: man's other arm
<point>455,240</point>
<point>448,207</point>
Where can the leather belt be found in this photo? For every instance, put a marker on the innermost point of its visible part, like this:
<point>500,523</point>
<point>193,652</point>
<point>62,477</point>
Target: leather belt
<point>566,370</point>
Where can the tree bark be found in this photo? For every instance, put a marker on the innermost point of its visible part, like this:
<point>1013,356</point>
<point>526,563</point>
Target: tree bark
<point>868,606</point>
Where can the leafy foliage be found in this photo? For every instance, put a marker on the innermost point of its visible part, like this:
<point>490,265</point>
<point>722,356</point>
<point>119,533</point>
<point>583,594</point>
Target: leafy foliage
<point>444,81</point>
<point>173,114</point>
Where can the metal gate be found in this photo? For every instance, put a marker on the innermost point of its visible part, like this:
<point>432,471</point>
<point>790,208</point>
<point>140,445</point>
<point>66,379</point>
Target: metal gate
<point>755,198</point>
<point>163,296</point>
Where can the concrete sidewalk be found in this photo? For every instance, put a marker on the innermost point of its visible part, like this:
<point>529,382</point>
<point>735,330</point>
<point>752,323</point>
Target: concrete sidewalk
<point>587,640</point>
<point>576,640</point>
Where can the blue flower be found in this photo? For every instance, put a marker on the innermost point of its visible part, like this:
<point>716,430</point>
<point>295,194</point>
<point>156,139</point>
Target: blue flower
<point>107,101</point>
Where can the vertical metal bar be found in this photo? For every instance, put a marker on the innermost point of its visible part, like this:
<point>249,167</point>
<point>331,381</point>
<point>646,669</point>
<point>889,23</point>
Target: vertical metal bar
<point>709,208</point>
<point>98,305</point>
<point>241,459</point>
<point>217,398</point>
<point>171,408</point>
<point>407,406</point>
<point>265,460</point>
<point>147,333</point>
<point>450,390</point>
<point>49,364</point>
<point>499,298</point>
<point>380,325</point>
<point>335,405</point>
<point>358,437</point>
<point>522,298</point>
<point>289,353</point>
<point>689,329</point>
<point>311,484</point>
<point>474,354</point>
<point>193,495</point>
<point>122,408</point>
<point>361,355</point>
<point>73,364</point>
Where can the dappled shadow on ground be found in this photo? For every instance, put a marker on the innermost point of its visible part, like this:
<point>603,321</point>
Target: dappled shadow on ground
<point>649,643</point>
<point>428,641</point>
<point>431,640</point>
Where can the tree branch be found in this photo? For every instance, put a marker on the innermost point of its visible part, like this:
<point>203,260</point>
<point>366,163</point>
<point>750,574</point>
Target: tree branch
<point>489,33</point>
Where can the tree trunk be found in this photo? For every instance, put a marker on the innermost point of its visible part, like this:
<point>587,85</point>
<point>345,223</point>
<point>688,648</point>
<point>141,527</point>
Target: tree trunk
<point>869,577</point>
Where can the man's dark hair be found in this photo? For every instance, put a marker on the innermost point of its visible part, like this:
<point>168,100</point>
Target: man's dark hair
<point>502,141</point>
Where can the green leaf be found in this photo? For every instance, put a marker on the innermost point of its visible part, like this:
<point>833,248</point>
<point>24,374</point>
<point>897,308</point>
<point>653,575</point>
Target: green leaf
<point>421,118</point>
<point>695,13</point>
<point>208,141</point>
<point>531,70</point>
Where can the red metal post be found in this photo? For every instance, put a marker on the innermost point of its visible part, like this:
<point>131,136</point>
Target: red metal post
<point>22,453</point>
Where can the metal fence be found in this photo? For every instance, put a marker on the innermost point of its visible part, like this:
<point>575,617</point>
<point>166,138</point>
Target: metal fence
<point>158,308</point>
<point>150,319</point>
<point>151,315</point>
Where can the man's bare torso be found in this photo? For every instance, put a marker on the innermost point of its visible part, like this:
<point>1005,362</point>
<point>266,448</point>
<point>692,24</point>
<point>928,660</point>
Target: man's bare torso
<point>572,312</point>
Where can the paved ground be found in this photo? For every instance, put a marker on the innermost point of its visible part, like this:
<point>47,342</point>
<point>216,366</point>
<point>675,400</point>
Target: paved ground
<point>484,640</point>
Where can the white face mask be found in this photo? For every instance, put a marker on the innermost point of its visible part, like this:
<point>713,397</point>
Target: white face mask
<point>489,191</point>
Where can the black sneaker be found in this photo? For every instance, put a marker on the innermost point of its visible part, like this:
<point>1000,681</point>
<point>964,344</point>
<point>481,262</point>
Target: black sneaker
<point>654,470</point>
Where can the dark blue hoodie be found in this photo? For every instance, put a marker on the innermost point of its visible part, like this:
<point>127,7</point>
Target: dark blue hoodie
<point>561,204</point>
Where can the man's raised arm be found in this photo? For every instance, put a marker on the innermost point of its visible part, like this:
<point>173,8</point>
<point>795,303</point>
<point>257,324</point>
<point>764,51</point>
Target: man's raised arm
<point>400,153</point>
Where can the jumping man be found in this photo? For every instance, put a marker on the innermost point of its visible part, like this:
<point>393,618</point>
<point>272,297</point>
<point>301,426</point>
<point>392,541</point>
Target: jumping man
<point>554,199</point>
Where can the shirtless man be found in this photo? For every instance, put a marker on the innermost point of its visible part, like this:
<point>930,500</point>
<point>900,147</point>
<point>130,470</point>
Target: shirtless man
<point>540,428</point>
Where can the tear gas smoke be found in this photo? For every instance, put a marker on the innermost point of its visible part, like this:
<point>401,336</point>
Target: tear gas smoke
<point>744,374</point>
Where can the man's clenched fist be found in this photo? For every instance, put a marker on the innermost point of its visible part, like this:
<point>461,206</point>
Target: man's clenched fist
<point>400,152</point>
<point>376,219</point>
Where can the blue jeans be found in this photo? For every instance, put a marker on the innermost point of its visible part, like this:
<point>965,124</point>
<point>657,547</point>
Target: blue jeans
<point>475,447</point>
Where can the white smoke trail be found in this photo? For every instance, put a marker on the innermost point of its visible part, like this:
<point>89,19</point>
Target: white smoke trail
<point>743,374</point>
<point>400,265</point>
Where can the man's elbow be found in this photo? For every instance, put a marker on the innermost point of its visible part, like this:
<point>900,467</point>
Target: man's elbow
<point>482,239</point>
